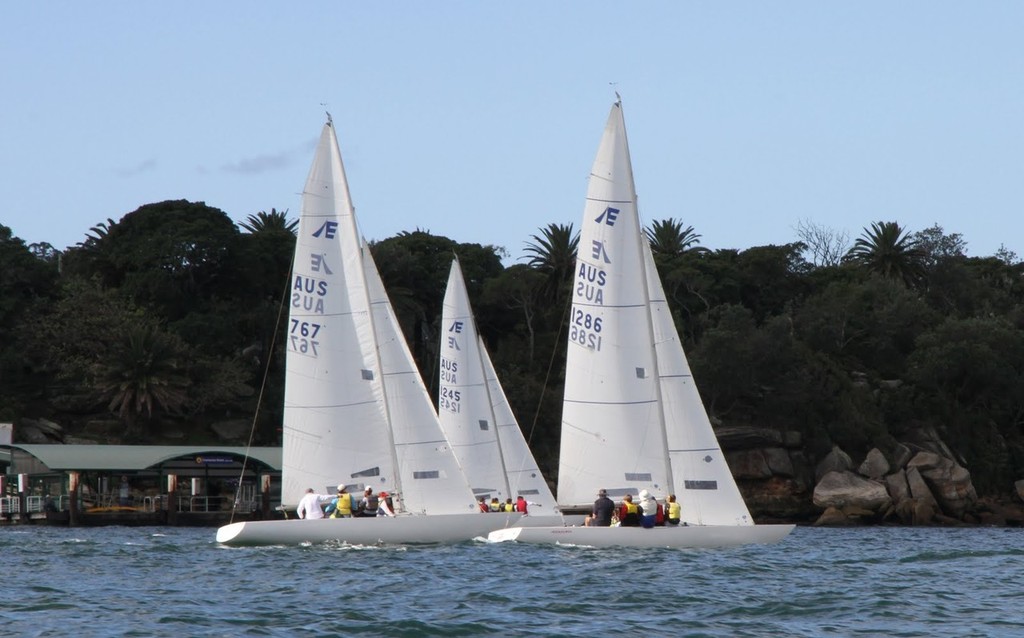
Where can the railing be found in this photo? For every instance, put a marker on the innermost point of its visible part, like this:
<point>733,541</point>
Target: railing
<point>33,504</point>
<point>10,505</point>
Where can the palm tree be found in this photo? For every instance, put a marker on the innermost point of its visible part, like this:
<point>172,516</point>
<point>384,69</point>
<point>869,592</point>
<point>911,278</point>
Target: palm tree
<point>554,253</point>
<point>888,250</point>
<point>141,373</point>
<point>274,220</point>
<point>668,237</point>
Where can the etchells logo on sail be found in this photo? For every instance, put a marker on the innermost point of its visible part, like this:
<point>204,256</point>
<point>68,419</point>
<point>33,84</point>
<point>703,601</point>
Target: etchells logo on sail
<point>585,324</point>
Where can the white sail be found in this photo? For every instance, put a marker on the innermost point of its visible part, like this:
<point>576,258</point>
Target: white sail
<point>632,418</point>
<point>613,434</point>
<point>335,425</point>
<point>702,480</point>
<point>476,415</point>
<point>432,481</point>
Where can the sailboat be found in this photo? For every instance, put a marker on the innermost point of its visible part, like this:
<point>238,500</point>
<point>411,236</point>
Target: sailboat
<point>476,416</point>
<point>632,418</point>
<point>356,410</point>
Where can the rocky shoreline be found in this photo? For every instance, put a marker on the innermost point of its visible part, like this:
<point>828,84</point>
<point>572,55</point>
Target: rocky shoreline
<point>919,482</point>
<point>915,483</point>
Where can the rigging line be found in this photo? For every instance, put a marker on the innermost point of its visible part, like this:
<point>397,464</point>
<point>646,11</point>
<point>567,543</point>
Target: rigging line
<point>263,387</point>
<point>551,364</point>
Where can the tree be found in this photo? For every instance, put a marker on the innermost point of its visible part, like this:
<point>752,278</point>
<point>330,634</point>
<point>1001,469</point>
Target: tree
<point>553,252</point>
<point>272,221</point>
<point>887,249</point>
<point>826,246</point>
<point>936,246</point>
<point>140,373</point>
<point>668,237</point>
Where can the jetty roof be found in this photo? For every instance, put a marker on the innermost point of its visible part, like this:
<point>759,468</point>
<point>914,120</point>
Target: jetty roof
<point>142,457</point>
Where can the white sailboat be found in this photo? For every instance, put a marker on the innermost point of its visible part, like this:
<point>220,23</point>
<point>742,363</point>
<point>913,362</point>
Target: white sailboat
<point>476,416</point>
<point>632,418</point>
<point>356,409</point>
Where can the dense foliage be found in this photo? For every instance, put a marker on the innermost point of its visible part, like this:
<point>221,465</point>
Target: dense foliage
<point>172,317</point>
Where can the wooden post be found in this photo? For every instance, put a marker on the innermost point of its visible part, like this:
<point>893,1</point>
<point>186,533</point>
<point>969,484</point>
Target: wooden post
<point>23,497</point>
<point>73,499</point>
<point>172,499</point>
<point>265,496</point>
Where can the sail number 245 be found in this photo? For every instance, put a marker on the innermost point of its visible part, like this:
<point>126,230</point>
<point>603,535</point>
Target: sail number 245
<point>585,329</point>
<point>303,337</point>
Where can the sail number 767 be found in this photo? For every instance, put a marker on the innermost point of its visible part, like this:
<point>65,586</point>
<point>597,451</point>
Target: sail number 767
<point>303,337</point>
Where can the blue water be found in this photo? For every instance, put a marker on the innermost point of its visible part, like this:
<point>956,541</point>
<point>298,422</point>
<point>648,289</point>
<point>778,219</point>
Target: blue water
<point>119,581</point>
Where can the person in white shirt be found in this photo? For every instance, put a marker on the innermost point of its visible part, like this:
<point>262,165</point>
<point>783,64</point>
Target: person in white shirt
<point>309,506</point>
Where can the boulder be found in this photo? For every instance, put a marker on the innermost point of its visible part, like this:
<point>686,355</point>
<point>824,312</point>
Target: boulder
<point>874,466</point>
<point>949,483</point>
<point>231,430</point>
<point>896,484</point>
<point>742,437</point>
<point>918,488</point>
<point>779,462</point>
<point>846,489</point>
<point>833,517</point>
<point>834,461</point>
<point>748,464</point>
<point>900,455</point>
<point>1020,488</point>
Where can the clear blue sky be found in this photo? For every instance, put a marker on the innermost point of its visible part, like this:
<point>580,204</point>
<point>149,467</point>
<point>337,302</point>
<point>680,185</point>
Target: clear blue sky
<point>479,120</point>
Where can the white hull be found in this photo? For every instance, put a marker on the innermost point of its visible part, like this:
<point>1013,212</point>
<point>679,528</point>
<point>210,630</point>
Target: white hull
<point>381,530</point>
<point>681,537</point>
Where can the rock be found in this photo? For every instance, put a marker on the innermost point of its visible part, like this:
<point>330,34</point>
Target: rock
<point>918,488</point>
<point>791,439</point>
<point>744,437</point>
<point>30,434</point>
<point>833,517</point>
<point>896,484</point>
<point>900,455</point>
<point>779,462</point>
<point>846,489</point>
<point>874,466</point>
<point>748,464</point>
<point>231,430</point>
<point>1020,488</point>
<point>916,511</point>
<point>834,461</point>
<point>949,482</point>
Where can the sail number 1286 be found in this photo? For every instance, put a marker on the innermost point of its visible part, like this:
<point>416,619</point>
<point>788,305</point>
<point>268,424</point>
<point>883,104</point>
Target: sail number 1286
<point>585,329</point>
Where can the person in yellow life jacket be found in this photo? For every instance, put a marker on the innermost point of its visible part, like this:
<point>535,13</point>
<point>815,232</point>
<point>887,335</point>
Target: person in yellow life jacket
<point>495,505</point>
<point>509,506</point>
<point>674,510</point>
<point>341,505</point>
<point>629,514</point>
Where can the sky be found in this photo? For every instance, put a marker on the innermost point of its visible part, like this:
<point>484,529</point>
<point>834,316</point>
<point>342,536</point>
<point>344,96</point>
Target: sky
<point>479,121</point>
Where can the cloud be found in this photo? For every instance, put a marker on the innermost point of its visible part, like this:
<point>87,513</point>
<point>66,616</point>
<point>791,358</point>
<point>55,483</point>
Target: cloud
<point>260,163</point>
<point>144,166</point>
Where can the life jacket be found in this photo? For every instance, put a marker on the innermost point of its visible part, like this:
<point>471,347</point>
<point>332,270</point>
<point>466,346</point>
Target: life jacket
<point>674,510</point>
<point>521,505</point>
<point>370,509</point>
<point>495,506</point>
<point>342,506</point>
<point>509,507</point>
<point>483,507</point>
<point>659,516</point>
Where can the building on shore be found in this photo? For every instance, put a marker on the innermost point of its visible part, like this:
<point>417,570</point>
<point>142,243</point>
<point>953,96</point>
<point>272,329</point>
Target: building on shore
<point>137,484</point>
